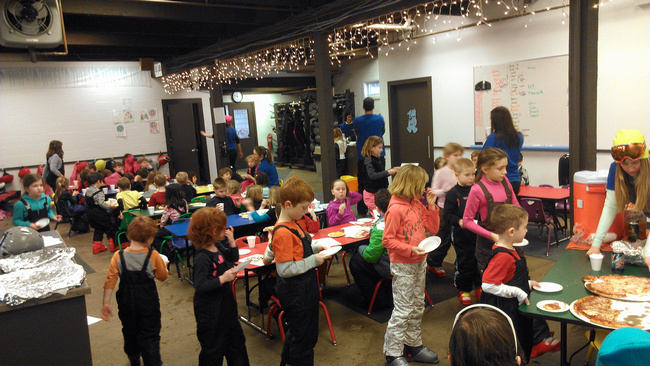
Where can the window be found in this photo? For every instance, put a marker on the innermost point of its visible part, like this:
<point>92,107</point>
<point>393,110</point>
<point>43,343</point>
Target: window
<point>371,89</point>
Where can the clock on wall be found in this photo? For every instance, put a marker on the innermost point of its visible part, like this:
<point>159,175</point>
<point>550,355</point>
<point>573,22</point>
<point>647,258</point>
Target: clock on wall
<point>237,97</point>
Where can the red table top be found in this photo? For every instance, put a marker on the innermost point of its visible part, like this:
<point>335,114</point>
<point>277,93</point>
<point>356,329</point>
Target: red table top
<point>544,192</point>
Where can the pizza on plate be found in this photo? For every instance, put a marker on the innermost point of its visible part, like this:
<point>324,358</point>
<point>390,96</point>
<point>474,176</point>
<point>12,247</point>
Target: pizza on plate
<point>607,312</point>
<point>552,306</point>
<point>617,286</point>
<point>336,234</point>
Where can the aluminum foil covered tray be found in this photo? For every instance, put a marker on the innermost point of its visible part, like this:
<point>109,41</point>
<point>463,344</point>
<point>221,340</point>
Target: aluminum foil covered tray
<point>38,274</point>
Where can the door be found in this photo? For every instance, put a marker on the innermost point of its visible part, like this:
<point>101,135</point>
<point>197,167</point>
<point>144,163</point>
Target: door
<point>186,147</point>
<point>243,118</point>
<point>411,122</point>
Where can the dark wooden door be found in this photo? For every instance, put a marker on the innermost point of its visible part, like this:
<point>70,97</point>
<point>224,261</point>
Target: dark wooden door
<point>246,125</point>
<point>411,122</point>
<point>187,148</point>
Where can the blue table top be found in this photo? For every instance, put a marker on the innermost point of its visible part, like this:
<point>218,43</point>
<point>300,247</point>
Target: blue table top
<point>180,230</point>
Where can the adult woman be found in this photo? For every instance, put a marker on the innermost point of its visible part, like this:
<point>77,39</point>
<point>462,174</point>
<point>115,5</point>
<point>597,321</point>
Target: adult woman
<point>628,184</point>
<point>505,137</point>
<point>265,164</point>
<point>234,145</point>
<point>54,163</point>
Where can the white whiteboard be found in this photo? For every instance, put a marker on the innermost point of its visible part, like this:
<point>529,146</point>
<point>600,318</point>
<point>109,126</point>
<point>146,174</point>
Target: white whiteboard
<point>535,91</point>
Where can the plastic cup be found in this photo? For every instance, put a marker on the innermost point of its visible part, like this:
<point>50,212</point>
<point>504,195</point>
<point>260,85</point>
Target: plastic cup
<point>596,260</point>
<point>251,241</point>
<point>83,191</point>
<point>105,190</point>
<point>316,204</point>
<point>75,183</point>
<point>151,209</point>
<point>112,187</point>
<point>220,206</point>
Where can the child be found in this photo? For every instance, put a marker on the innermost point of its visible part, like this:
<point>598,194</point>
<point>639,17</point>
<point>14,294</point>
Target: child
<point>297,282</point>
<point>474,156</point>
<point>406,221</point>
<point>342,146</point>
<point>128,199</point>
<point>233,188</point>
<point>254,197</point>
<point>175,204</point>
<point>149,185</point>
<point>467,275</point>
<point>220,200</point>
<point>189,192</point>
<point>68,204</point>
<point>130,165</point>
<point>272,201</point>
<point>339,210</point>
<point>119,173</point>
<point>137,297</point>
<point>249,175</point>
<point>158,198</point>
<point>374,173</point>
<point>523,173</point>
<point>506,283</point>
<point>225,173</point>
<point>99,214</point>
<point>262,180</point>
<point>371,263</point>
<point>215,309</point>
<point>34,205</point>
<point>83,177</point>
<point>139,180</point>
<point>443,180</point>
<point>193,178</point>
<point>144,164</point>
<point>483,335</point>
<point>492,188</point>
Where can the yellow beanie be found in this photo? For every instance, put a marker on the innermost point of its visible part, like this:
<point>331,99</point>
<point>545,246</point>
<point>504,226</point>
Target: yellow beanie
<point>100,165</point>
<point>627,137</point>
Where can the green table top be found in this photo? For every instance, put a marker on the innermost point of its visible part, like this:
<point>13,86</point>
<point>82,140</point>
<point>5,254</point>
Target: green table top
<point>568,272</point>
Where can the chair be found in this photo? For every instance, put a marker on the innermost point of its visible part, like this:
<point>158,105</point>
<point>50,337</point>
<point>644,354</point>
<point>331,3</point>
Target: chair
<point>186,215</point>
<point>175,244</point>
<point>277,307</point>
<point>595,337</point>
<point>427,298</point>
<point>546,185</point>
<point>243,244</point>
<point>536,215</point>
<point>565,207</point>
<point>345,268</point>
<point>198,199</point>
<point>66,216</point>
<point>127,217</point>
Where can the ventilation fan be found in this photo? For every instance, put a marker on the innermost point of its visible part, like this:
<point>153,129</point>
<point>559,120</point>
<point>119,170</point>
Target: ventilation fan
<point>30,23</point>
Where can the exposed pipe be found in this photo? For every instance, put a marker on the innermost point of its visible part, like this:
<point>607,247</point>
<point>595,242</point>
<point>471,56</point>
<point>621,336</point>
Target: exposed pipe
<point>206,4</point>
<point>33,53</point>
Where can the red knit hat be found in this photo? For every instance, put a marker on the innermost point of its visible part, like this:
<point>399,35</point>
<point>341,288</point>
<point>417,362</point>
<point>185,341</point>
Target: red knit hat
<point>82,165</point>
<point>228,119</point>
<point>163,159</point>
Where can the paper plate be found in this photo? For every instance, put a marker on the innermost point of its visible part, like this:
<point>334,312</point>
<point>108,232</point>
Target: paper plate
<point>563,306</point>
<point>430,243</point>
<point>548,287</point>
<point>331,250</point>
<point>355,222</point>
<point>42,222</point>
<point>243,265</point>
<point>336,234</point>
<point>244,251</point>
<point>522,244</point>
<point>164,258</point>
<point>364,220</point>
<point>312,235</point>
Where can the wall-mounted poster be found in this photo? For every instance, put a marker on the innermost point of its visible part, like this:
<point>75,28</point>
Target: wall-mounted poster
<point>154,127</point>
<point>120,129</point>
<point>128,115</point>
<point>118,116</point>
<point>150,114</point>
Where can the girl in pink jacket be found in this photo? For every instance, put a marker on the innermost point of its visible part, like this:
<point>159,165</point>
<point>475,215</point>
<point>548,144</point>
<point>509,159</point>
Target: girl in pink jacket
<point>406,222</point>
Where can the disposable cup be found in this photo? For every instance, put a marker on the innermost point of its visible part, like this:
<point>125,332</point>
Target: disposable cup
<point>596,260</point>
<point>112,187</point>
<point>75,183</point>
<point>151,209</point>
<point>105,190</point>
<point>83,191</point>
<point>220,206</point>
<point>251,241</point>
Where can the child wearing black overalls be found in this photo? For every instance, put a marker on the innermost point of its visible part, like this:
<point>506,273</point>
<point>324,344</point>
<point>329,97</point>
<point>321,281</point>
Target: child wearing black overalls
<point>35,215</point>
<point>100,219</point>
<point>299,297</point>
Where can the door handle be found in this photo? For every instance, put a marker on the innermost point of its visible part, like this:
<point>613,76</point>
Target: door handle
<point>195,150</point>
<point>429,146</point>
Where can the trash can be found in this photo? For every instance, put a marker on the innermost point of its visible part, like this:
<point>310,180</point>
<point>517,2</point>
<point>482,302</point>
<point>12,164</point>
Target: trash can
<point>588,201</point>
<point>352,182</point>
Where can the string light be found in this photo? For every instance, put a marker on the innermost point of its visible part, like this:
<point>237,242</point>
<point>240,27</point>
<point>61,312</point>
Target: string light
<point>349,41</point>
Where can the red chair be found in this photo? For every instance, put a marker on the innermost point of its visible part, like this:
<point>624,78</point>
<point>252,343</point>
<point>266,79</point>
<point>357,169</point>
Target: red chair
<point>242,243</point>
<point>345,268</point>
<point>278,307</point>
<point>374,294</point>
<point>565,207</point>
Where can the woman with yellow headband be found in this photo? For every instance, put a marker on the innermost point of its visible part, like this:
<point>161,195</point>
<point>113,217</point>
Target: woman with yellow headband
<point>628,183</point>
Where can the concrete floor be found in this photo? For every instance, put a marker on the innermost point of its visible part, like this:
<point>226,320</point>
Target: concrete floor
<point>360,339</point>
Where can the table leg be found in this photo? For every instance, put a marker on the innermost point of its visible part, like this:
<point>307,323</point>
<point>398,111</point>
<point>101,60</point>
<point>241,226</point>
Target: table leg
<point>189,278</point>
<point>563,343</point>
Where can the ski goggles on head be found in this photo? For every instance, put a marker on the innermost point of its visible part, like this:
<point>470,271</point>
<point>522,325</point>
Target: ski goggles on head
<point>634,151</point>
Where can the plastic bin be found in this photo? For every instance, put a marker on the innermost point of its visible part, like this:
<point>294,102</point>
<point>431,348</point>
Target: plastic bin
<point>588,201</point>
<point>351,181</point>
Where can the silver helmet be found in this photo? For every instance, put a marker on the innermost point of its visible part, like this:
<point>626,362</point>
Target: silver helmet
<point>20,239</point>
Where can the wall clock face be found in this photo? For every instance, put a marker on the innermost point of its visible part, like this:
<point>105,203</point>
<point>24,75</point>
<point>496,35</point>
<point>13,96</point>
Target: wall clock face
<point>237,97</point>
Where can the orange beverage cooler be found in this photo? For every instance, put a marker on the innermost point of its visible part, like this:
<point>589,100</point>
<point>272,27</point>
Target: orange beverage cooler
<point>588,201</point>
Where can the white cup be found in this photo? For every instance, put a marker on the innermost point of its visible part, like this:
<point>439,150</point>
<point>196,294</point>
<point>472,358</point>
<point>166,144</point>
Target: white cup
<point>151,209</point>
<point>112,187</point>
<point>596,260</point>
<point>220,206</point>
<point>105,190</point>
<point>251,241</point>
<point>316,204</point>
<point>83,191</point>
<point>75,182</point>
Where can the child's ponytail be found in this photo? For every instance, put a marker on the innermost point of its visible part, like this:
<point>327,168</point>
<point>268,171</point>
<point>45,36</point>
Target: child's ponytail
<point>487,158</point>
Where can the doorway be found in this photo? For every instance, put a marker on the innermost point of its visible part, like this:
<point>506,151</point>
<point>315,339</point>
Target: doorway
<point>245,123</point>
<point>186,147</point>
<point>411,122</point>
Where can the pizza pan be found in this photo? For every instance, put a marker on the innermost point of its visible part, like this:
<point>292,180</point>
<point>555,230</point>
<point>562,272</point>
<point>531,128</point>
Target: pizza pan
<point>645,298</point>
<point>631,310</point>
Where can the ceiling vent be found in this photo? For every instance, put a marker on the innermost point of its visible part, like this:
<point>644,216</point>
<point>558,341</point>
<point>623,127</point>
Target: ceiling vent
<point>30,23</point>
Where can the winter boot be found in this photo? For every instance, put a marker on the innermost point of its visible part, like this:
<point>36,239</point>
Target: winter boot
<point>98,247</point>
<point>111,243</point>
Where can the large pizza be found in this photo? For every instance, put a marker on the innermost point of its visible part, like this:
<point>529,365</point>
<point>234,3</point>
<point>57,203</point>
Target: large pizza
<point>610,313</point>
<point>630,288</point>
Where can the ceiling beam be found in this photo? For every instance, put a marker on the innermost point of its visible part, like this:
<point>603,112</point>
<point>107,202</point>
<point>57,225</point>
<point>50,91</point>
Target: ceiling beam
<point>174,11</point>
<point>76,38</point>
<point>298,82</point>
